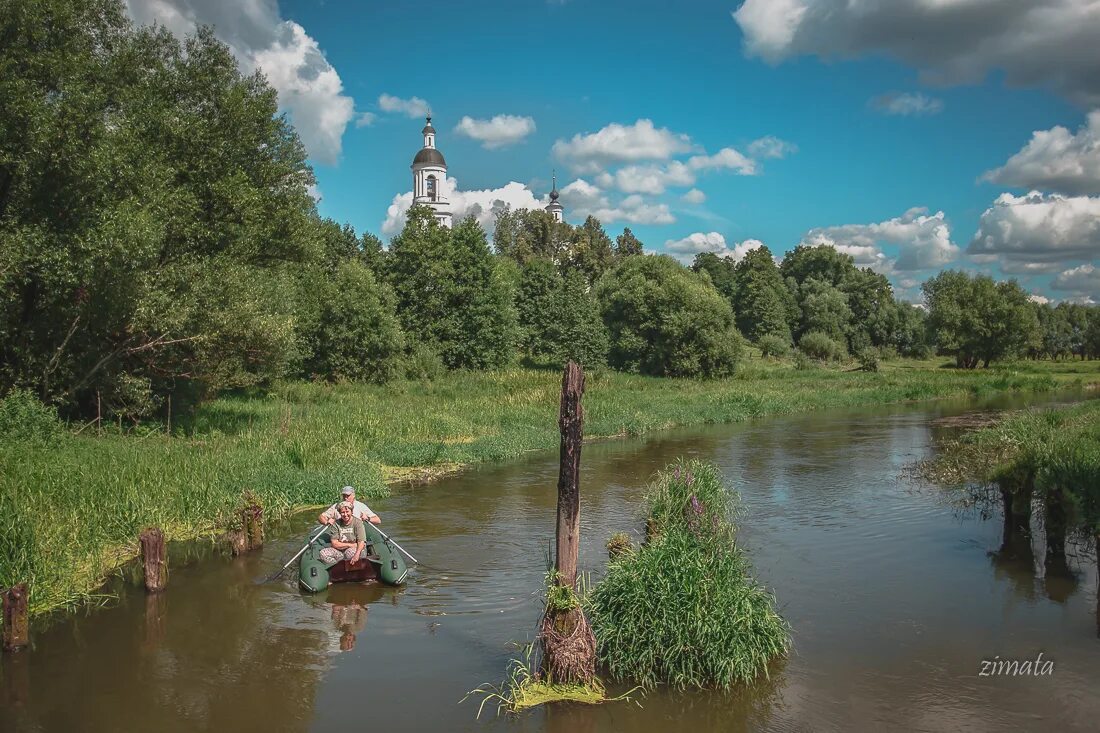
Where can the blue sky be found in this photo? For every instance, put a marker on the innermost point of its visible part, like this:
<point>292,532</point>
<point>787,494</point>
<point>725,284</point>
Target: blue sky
<point>850,124</point>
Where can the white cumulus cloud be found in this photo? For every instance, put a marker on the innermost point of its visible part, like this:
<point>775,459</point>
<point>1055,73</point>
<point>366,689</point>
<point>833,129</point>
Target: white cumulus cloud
<point>725,158</point>
<point>498,132</point>
<point>483,204</point>
<point>687,248</point>
<point>1056,160</point>
<point>923,241</point>
<point>309,88</point>
<point>1037,232</point>
<point>694,196</point>
<point>907,104</point>
<point>1048,43</point>
<point>651,179</point>
<point>582,199</point>
<point>411,107</point>
<point>618,143</point>
<point>770,146</point>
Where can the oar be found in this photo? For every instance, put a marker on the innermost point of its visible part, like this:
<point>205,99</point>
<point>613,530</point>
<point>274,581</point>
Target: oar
<point>390,540</point>
<point>298,554</point>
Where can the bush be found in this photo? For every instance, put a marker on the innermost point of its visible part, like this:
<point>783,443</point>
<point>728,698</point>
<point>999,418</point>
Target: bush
<point>666,320</point>
<point>772,345</point>
<point>803,362</point>
<point>817,345</point>
<point>23,419</point>
<point>868,359</point>
<point>682,609</point>
<point>423,363</point>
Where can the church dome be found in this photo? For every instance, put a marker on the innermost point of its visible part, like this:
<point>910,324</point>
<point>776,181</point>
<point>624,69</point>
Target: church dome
<point>428,127</point>
<point>429,156</point>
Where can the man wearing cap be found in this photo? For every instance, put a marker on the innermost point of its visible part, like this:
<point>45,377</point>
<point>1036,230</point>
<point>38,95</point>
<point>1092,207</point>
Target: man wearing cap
<point>359,510</point>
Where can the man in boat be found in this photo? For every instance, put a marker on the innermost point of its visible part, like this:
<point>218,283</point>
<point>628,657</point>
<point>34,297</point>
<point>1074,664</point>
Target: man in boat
<point>349,538</point>
<point>359,509</point>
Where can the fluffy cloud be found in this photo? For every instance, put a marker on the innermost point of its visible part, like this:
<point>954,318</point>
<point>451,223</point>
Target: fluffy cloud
<point>582,199</point>
<point>1037,232</point>
<point>412,107</point>
<point>617,143</point>
<point>1056,160</point>
<point>724,158</point>
<point>685,249</point>
<point>309,88</point>
<point>499,132</point>
<point>483,205</point>
<point>650,179</point>
<point>1082,283</point>
<point>907,104</point>
<point>923,241</point>
<point>694,196</point>
<point>1034,42</point>
<point>770,146</point>
<point>365,119</point>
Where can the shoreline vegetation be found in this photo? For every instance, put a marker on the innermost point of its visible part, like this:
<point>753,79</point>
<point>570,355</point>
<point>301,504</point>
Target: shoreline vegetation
<point>290,447</point>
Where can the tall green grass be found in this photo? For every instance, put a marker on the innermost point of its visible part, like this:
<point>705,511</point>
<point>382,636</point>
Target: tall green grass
<point>683,609</point>
<point>293,445</point>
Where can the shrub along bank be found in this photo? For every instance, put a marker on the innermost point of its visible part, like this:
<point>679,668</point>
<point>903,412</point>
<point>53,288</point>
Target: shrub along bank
<point>293,445</point>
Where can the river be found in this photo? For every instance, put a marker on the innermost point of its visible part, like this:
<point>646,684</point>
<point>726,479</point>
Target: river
<point>894,594</point>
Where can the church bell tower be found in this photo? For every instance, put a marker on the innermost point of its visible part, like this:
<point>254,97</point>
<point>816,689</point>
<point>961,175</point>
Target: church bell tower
<point>429,174</point>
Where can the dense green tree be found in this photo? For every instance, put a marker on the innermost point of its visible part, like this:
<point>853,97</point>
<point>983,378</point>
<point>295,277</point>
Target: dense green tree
<point>875,318</point>
<point>1056,333</point>
<point>372,254</point>
<point>1090,343</point>
<point>357,336</point>
<point>822,263</point>
<point>666,320</point>
<point>977,319</point>
<point>151,203</point>
<point>523,234</point>
<point>421,270</point>
<point>721,271</point>
<point>627,245</point>
<point>537,300</point>
<point>590,250</point>
<point>911,335</point>
<point>825,310</point>
<point>580,333</point>
<point>762,302</point>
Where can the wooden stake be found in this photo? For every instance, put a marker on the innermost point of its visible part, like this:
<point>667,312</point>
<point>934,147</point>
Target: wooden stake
<point>252,519</point>
<point>16,629</point>
<point>155,560</point>
<point>571,423</point>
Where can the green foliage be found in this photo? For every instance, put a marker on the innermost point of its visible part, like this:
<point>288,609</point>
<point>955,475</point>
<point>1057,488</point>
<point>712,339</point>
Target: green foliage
<point>824,310</point>
<point>450,294</point>
<point>627,245</point>
<point>152,202</point>
<point>23,419</point>
<point>537,298</point>
<point>977,319</point>
<point>523,235</point>
<point>666,320</point>
<point>683,610</point>
<point>579,331</point>
<point>358,337</point>
<point>802,362</point>
<point>590,250</point>
<point>772,345</point>
<point>868,359</point>
<point>721,271</point>
<point>762,302</point>
<point>818,345</point>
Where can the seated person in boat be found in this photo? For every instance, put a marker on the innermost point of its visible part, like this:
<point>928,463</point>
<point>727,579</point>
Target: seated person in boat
<point>359,509</point>
<point>348,537</point>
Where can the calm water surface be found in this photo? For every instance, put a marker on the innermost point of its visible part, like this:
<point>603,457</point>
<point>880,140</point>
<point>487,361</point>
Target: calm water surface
<point>895,598</point>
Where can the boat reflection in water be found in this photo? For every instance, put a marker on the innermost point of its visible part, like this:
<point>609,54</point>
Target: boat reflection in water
<point>347,604</point>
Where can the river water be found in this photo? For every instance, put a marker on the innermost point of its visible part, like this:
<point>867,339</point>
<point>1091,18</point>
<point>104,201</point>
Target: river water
<point>895,597</point>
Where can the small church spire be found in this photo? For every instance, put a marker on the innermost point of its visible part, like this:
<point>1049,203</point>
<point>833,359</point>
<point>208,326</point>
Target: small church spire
<point>554,208</point>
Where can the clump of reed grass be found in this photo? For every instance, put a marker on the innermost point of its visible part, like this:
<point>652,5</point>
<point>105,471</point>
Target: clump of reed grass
<point>524,687</point>
<point>683,609</point>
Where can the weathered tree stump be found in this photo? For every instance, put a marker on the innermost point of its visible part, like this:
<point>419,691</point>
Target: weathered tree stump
<point>16,628</point>
<point>569,647</point>
<point>237,540</point>
<point>252,520</point>
<point>154,560</point>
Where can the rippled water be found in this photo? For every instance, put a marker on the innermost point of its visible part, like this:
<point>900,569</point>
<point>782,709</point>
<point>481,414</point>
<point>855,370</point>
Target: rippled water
<point>894,595</point>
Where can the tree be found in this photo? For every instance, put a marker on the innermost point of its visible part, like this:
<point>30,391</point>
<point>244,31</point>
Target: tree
<point>666,320</point>
<point>820,263</point>
<point>875,318</point>
<point>579,334</point>
<point>153,205</point>
<point>590,250</point>
<point>761,300</point>
<point>911,335</point>
<point>421,271</point>
<point>627,245</point>
<point>537,301</point>
<point>372,254</point>
<point>977,319</point>
<point>825,310</point>
<point>358,337</point>
<point>524,234</point>
<point>721,271</point>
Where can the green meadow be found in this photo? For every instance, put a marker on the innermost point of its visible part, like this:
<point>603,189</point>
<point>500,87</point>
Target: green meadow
<point>291,446</point>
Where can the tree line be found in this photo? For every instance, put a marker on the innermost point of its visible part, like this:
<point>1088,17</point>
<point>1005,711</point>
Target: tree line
<point>158,241</point>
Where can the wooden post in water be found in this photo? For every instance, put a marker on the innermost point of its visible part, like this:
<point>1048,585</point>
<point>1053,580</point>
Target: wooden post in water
<point>16,629</point>
<point>154,560</point>
<point>571,424</point>
<point>569,647</point>
<point>252,520</point>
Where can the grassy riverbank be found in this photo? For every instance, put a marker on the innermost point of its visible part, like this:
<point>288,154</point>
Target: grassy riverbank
<point>294,445</point>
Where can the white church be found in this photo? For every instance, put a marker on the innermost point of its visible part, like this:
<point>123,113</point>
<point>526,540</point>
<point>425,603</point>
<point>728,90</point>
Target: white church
<point>429,170</point>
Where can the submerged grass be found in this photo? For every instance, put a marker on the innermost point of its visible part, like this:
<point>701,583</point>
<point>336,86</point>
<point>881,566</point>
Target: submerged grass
<point>683,609</point>
<point>293,445</point>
